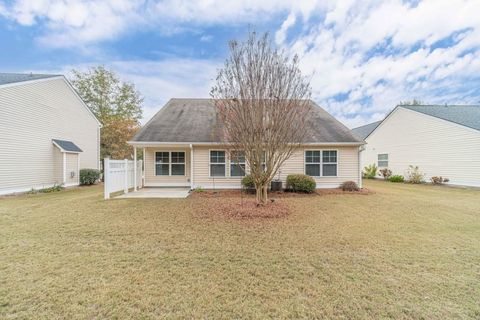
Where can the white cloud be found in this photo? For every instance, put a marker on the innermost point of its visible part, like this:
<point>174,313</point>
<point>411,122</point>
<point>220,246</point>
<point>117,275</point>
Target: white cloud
<point>70,23</point>
<point>378,53</point>
<point>374,53</point>
<point>77,23</point>
<point>281,34</point>
<point>157,81</point>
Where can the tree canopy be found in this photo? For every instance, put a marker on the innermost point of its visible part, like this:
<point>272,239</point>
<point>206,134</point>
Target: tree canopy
<point>263,101</point>
<point>116,104</point>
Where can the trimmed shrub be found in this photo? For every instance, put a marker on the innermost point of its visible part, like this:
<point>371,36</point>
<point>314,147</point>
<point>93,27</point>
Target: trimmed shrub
<point>247,182</point>
<point>370,171</point>
<point>349,186</point>
<point>439,180</point>
<point>414,175</point>
<point>300,183</point>
<point>385,173</point>
<point>89,176</point>
<point>396,178</point>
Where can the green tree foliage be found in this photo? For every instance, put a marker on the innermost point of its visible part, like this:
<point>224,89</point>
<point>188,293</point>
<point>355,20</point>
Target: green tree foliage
<point>116,104</point>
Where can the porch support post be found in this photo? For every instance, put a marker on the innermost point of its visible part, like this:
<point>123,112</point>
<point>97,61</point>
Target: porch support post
<point>143,169</point>
<point>134,168</point>
<point>191,167</point>
<point>360,175</point>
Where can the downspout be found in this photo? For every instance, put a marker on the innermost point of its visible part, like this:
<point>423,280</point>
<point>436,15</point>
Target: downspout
<point>360,178</point>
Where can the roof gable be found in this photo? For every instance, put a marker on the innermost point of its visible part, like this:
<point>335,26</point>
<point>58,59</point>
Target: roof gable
<point>196,120</point>
<point>66,146</point>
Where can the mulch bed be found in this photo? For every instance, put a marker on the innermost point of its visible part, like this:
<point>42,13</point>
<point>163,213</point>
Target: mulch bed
<point>247,209</point>
<point>242,205</point>
<point>226,193</point>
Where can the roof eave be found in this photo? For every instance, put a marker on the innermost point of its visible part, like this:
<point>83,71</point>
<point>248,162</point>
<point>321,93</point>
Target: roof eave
<point>159,143</point>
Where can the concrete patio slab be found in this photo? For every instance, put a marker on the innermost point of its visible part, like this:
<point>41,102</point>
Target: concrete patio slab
<point>179,193</point>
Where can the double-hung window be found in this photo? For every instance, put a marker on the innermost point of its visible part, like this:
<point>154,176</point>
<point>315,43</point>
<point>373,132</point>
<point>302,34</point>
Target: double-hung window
<point>312,163</point>
<point>170,163</point>
<point>237,164</point>
<point>162,163</point>
<point>383,160</point>
<point>321,163</point>
<point>217,163</point>
<point>329,163</point>
<point>178,163</point>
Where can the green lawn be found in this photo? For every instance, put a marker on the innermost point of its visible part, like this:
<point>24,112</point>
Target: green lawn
<point>403,252</point>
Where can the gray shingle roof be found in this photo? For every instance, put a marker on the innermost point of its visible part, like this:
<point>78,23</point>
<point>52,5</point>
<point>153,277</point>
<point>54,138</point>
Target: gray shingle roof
<point>196,120</point>
<point>364,131</point>
<point>66,145</point>
<point>6,78</point>
<point>468,116</point>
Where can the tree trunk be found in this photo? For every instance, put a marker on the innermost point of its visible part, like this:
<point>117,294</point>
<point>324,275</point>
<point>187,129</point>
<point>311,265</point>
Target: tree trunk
<point>261,194</point>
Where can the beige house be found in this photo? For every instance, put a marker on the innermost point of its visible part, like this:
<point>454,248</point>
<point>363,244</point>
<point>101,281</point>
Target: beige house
<point>441,140</point>
<point>47,133</point>
<point>182,148</point>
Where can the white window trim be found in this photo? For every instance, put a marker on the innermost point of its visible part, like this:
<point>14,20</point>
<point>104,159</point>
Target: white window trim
<point>235,163</point>
<point>321,163</point>
<point>170,164</point>
<point>224,164</point>
<point>305,163</point>
<point>378,160</point>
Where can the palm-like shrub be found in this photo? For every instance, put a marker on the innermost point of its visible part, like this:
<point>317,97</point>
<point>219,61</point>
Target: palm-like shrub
<point>370,171</point>
<point>414,175</point>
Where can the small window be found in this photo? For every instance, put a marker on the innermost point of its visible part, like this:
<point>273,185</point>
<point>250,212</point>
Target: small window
<point>329,163</point>
<point>383,160</point>
<point>178,163</point>
<point>217,163</point>
<point>237,164</point>
<point>312,163</point>
<point>162,163</point>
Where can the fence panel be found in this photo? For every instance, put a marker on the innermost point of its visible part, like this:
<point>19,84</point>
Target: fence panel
<point>120,175</point>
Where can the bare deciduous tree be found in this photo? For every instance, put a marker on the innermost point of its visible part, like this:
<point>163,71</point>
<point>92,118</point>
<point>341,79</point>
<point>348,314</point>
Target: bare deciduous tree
<point>263,103</point>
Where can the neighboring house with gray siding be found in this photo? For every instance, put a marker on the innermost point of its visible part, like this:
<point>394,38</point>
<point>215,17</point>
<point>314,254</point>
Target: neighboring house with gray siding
<point>47,133</point>
<point>182,147</point>
<point>441,140</point>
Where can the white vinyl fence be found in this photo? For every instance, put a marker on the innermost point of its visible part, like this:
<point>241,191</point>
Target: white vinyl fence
<point>119,175</point>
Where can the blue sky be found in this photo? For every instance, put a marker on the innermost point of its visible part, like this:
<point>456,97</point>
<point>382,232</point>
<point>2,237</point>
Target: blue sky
<point>363,57</point>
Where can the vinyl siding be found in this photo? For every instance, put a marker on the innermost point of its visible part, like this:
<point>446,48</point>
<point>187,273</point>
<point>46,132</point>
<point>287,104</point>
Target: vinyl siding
<point>57,165</point>
<point>347,168</point>
<point>153,180</point>
<point>33,114</point>
<point>438,147</point>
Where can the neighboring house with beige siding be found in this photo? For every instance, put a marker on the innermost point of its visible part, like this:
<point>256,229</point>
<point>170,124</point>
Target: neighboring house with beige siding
<point>47,133</point>
<point>441,140</point>
<point>182,148</point>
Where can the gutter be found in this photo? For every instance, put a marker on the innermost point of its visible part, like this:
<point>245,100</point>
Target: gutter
<point>158,143</point>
